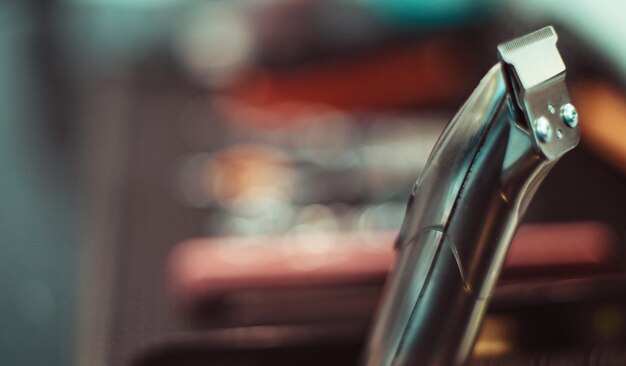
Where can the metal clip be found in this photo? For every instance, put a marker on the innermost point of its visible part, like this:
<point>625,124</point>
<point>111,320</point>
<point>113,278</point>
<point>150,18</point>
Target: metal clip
<point>537,75</point>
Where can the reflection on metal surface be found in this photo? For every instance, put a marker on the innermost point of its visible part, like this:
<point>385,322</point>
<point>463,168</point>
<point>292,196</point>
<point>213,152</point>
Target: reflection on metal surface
<point>467,205</point>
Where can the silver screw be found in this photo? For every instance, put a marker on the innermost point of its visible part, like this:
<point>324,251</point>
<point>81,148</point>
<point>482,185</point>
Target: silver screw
<point>544,130</point>
<point>569,115</point>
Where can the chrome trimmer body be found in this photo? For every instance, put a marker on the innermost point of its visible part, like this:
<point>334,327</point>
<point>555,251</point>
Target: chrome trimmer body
<point>468,202</point>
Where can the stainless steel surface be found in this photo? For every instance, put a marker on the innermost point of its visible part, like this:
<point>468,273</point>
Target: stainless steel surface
<point>537,81</point>
<point>467,205</point>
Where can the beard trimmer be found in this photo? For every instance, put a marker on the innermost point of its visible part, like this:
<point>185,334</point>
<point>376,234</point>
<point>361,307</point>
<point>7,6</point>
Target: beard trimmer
<point>468,202</point>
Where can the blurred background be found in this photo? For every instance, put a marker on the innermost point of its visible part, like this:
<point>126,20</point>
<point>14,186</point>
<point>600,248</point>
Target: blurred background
<point>220,182</point>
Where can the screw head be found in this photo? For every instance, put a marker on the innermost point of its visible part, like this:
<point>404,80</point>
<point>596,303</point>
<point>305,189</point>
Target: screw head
<point>569,115</point>
<point>544,130</point>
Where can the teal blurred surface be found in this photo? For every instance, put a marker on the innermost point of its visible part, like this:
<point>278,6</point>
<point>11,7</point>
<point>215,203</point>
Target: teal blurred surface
<point>429,14</point>
<point>37,250</point>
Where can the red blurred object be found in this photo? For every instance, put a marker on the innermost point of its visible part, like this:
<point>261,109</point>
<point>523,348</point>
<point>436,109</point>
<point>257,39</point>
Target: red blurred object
<point>431,72</point>
<point>202,267</point>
